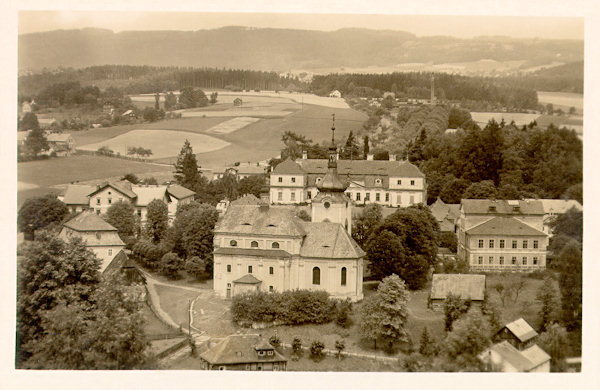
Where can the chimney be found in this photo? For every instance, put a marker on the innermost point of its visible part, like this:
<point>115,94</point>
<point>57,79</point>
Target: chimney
<point>370,156</point>
<point>392,157</point>
<point>304,155</point>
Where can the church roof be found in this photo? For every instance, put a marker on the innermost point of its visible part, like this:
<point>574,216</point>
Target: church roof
<point>332,183</point>
<point>505,226</point>
<point>288,167</point>
<point>328,240</point>
<point>261,220</point>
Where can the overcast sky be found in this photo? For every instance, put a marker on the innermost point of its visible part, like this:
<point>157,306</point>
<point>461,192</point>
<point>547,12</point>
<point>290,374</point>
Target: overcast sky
<point>421,25</point>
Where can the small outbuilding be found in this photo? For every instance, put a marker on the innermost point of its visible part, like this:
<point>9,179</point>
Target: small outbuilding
<point>467,286</point>
<point>519,333</point>
<point>243,352</point>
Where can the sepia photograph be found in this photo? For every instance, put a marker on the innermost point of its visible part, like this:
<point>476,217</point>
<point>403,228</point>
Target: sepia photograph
<point>318,190</point>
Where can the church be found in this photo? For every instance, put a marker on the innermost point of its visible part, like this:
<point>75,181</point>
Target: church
<point>263,248</point>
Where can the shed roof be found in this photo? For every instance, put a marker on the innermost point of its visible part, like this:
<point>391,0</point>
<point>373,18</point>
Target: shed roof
<point>328,240</point>
<point>505,226</point>
<point>536,355</point>
<point>521,329</point>
<point>239,349</point>
<point>78,194</point>
<point>482,206</point>
<point>89,222</point>
<point>179,192</point>
<point>467,286</point>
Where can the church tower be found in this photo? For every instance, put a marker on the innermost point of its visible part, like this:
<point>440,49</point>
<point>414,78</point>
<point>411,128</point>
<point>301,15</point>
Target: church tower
<point>331,203</point>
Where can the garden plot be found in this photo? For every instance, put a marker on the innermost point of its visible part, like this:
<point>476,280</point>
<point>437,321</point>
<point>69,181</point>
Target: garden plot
<point>163,143</point>
<point>232,125</point>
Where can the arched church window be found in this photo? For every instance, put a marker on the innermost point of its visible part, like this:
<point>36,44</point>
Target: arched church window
<point>275,245</point>
<point>254,244</point>
<point>316,276</point>
<point>343,276</point>
<point>233,243</point>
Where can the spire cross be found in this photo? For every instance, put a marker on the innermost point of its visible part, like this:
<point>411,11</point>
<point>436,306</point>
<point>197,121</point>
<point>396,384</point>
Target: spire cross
<point>333,129</point>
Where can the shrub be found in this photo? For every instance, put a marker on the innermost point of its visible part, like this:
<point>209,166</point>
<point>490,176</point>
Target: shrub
<point>344,308</point>
<point>297,346</point>
<point>275,341</point>
<point>316,350</point>
<point>170,264</point>
<point>340,345</point>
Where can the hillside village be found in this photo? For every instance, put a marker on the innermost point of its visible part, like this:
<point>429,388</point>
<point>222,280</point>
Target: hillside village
<point>431,243</point>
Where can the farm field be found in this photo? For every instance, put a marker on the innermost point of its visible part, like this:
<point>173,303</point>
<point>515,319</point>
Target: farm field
<point>563,100</point>
<point>163,143</point>
<point>482,118</point>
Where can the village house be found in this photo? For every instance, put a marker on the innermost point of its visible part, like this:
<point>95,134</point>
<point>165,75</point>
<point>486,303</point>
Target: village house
<point>242,352</point>
<point>99,236</point>
<point>445,214</point>
<point>335,94</point>
<point>258,247</point>
<point>244,170</point>
<point>518,333</point>
<point>467,286</point>
<point>62,144</point>
<point>388,182</point>
<point>502,235</point>
<point>503,357</point>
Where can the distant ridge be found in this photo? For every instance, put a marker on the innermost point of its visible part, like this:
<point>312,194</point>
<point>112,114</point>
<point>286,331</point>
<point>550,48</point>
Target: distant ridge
<point>275,49</point>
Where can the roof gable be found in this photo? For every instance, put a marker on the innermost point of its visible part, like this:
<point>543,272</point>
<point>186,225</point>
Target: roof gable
<point>467,286</point>
<point>122,186</point>
<point>505,226</point>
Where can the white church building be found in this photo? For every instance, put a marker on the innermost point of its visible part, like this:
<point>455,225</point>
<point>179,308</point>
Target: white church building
<point>263,248</point>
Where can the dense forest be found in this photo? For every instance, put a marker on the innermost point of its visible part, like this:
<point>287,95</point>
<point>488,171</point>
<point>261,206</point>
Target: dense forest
<point>563,78</point>
<point>149,79</point>
<point>504,93</point>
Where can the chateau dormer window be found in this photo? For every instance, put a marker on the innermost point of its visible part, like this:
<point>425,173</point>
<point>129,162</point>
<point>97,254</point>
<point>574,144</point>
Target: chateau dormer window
<point>319,179</point>
<point>293,179</point>
<point>275,245</point>
<point>378,181</point>
<point>254,244</point>
<point>233,243</point>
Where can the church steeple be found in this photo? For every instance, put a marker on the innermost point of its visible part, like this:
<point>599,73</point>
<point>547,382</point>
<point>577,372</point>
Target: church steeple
<point>331,182</point>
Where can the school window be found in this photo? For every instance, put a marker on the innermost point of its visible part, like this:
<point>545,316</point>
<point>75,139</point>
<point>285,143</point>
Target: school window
<point>501,243</point>
<point>293,196</point>
<point>293,179</point>
<point>480,243</point>
<point>343,276</point>
<point>249,269</point>
<point>387,197</point>
<point>399,182</point>
<point>514,244</point>
<point>358,196</point>
<point>501,260</point>
<point>228,267</point>
<point>97,200</point>
<point>280,195</point>
<point>368,196</point>
<point>377,197</point>
<point>514,260</point>
<point>254,244</point>
<point>535,261</point>
<point>316,276</point>
<point>270,270</point>
<point>491,245</point>
<point>491,260</point>
<point>524,244</point>
<point>412,182</point>
<point>535,244</point>
<point>524,260</point>
<point>280,179</point>
<point>480,260</point>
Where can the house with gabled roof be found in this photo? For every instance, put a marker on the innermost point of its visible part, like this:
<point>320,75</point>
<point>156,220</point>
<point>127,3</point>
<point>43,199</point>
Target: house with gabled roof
<point>466,286</point>
<point>99,236</point>
<point>502,235</point>
<point>386,182</point>
<point>264,248</point>
<point>445,214</point>
<point>518,333</point>
<point>242,352</point>
<point>504,357</point>
<point>76,197</point>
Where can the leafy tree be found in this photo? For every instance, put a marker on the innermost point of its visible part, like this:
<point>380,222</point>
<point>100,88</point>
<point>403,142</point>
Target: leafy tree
<point>294,145</point>
<point>458,117</point>
<point>29,122</point>
<point>254,185</point>
<point>191,97</point>
<point>351,150</point>
<point>340,345</point>
<point>503,292</point>
<point>157,101</point>
<point>38,213</point>
<point>416,362</point>
<point>572,110</point>
<point>186,168</point>
<point>344,309</point>
<point>122,216</point>
<point>365,146</point>
<point>131,177</point>
<point>170,101</point>
<point>316,350</point>
<point>453,190</point>
<point>556,343</point>
<point>151,114</point>
<point>454,308</point>
<point>297,346</point>
<point>569,224</point>
<point>36,142</point>
<point>447,240</point>
<point>384,314</point>
<point>157,220</point>
<point>574,192</point>
<point>213,97</point>
<point>427,346</point>
<point>195,266</point>
<point>470,336</point>
<point>365,223</point>
<point>546,297</point>
<point>170,265</point>
<point>570,283</point>
<point>481,190</point>
<point>275,341</point>
<point>50,271</point>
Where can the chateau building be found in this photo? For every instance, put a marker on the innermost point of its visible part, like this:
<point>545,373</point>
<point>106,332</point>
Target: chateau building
<point>502,235</point>
<point>388,182</point>
<point>263,248</point>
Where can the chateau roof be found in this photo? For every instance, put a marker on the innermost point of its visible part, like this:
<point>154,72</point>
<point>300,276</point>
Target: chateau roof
<point>261,220</point>
<point>363,167</point>
<point>288,167</point>
<point>328,240</point>
<point>179,192</point>
<point>78,194</point>
<point>521,329</point>
<point>504,226</point>
<point>240,349</point>
<point>89,222</point>
<point>467,286</point>
<point>482,206</point>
